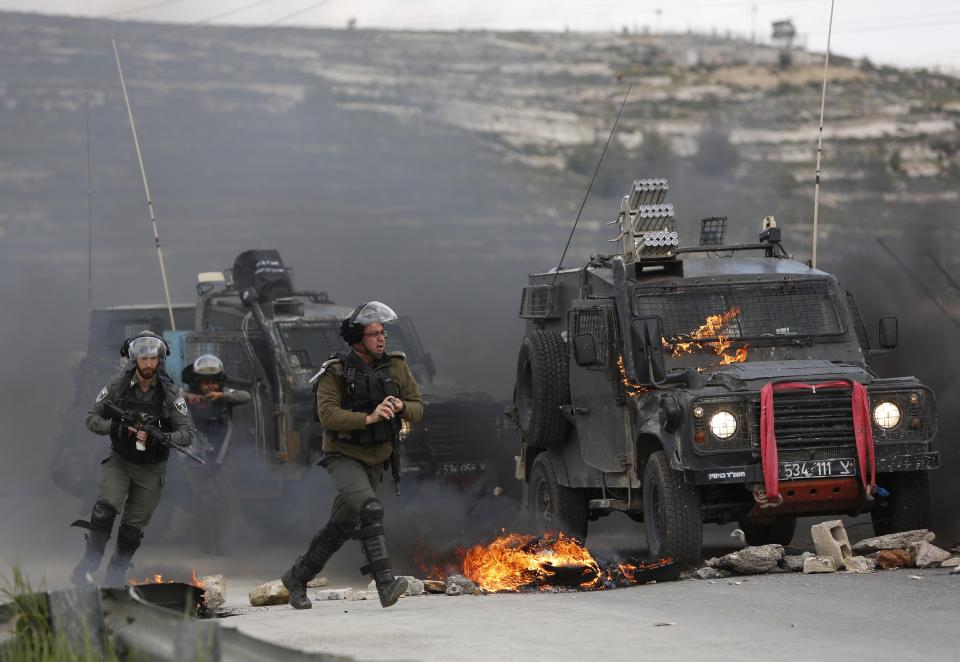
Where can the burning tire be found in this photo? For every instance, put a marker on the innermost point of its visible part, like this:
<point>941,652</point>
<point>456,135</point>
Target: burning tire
<point>775,532</point>
<point>671,513</point>
<point>553,507</point>
<point>907,507</point>
<point>543,385</point>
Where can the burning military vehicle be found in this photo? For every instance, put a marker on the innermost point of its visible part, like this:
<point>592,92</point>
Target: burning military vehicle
<point>711,383</point>
<point>271,339</point>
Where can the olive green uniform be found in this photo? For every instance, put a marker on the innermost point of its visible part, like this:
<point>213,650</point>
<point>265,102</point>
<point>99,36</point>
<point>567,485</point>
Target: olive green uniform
<point>357,469</point>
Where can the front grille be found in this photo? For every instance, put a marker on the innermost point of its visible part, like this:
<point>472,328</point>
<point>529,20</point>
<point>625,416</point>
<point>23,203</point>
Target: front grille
<point>810,420</point>
<point>819,453</point>
<point>459,432</point>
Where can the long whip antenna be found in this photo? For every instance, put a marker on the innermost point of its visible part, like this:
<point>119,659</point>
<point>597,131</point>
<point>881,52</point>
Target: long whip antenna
<point>146,188</point>
<point>823,105</point>
<point>592,180</point>
<point>86,118</point>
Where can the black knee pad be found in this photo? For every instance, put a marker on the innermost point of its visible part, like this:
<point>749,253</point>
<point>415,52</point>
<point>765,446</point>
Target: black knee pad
<point>128,538</point>
<point>371,512</point>
<point>102,516</point>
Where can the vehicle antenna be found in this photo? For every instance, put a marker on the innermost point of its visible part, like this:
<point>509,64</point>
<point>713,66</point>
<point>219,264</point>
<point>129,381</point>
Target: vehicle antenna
<point>592,180</point>
<point>946,274</point>
<point>146,188</point>
<point>86,117</point>
<point>823,104</point>
<point>919,283</point>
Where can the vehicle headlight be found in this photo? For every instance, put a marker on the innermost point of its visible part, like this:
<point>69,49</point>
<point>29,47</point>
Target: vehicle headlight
<point>723,424</point>
<point>405,430</point>
<point>886,415</point>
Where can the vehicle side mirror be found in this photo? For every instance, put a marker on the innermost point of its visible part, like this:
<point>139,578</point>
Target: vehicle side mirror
<point>646,335</point>
<point>584,350</point>
<point>889,332</point>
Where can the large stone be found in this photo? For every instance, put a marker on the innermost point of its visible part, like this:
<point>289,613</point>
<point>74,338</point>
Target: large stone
<point>454,589</point>
<point>926,555</point>
<point>271,593</point>
<point>818,564</point>
<point>753,560</point>
<point>214,591</point>
<point>794,562</point>
<point>858,564</point>
<point>466,585</point>
<point>830,539</point>
<point>893,558</point>
<point>414,586</point>
<point>434,586</point>
<point>893,541</point>
<point>952,562</point>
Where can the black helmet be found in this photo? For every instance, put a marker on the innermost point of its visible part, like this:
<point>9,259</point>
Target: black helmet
<point>145,343</point>
<point>351,329</point>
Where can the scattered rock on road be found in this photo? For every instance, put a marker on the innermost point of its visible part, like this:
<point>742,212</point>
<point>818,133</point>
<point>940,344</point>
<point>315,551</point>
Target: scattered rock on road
<point>214,591</point>
<point>893,558</point>
<point>317,582</point>
<point>270,593</point>
<point>454,589</point>
<point>926,555</point>
<point>753,560</point>
<point>794,562</point>
<point>952,562</point>
<point>414,586</point>
<point>434,586</point>
<point>858,564</point>
<point>818,564</point>
<point>466,585</point>
<point>708,573</point>
<point>830,539</point>
<point>893,541</point>
<point>334,594</point>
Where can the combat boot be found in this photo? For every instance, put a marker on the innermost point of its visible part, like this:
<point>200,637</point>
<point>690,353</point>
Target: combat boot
<point>128,541</point>
<point>98,534</point>
<point>371,535</point>
<point>323,545</point>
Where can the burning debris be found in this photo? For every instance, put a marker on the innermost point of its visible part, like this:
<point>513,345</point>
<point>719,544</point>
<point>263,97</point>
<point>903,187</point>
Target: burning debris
<point>516,562</point>
<point>713,327</point>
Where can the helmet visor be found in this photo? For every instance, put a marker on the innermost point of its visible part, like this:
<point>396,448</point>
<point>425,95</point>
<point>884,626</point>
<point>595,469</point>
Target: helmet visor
<point>208,366</point>
<point>374,312</point>
<point>146,347</point>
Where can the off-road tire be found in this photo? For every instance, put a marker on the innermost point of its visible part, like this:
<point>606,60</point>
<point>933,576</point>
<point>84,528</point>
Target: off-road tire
<point>671,513</point>
<point>907,507</point>
<point>553,507</point>
<point>776,532</point>
<point>543,385</point>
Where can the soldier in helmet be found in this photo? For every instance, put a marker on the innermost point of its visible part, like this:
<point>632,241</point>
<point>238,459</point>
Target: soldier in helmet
<point>132,477</point>
<point>361,398</point>
<point>211,408</point>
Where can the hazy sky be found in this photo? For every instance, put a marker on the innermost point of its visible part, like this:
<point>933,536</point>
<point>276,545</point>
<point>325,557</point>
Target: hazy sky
<point>917,33</point>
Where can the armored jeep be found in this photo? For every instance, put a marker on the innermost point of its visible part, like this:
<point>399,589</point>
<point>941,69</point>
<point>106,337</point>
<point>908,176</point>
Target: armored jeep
<point>272,338</point>
<point>709,384</point>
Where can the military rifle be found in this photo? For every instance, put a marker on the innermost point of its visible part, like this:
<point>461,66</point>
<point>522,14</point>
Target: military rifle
<point>139,421</point>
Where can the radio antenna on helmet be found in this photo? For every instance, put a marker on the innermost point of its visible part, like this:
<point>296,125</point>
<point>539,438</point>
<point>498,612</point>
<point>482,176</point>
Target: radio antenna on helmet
<point>592,180</point>
<point>823,104</point>
<point>146,188</point>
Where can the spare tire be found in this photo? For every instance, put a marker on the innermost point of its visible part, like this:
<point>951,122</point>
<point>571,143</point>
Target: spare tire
<point>542,387</point>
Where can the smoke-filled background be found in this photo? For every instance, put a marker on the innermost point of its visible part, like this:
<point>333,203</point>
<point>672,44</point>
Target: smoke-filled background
<point>433,171</point>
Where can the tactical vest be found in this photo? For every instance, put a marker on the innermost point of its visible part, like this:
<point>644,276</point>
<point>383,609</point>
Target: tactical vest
<point>125,445</point>
<point>365,387</point>
<point>210,420</point>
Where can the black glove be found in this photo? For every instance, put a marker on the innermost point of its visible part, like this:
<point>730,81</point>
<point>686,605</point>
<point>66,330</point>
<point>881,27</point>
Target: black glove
<point>154,434</point>
<point>117,428</point>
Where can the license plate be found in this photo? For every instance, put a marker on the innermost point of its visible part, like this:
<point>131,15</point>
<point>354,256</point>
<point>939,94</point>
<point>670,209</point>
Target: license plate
<point>817,469</point>
<point>461,468</point>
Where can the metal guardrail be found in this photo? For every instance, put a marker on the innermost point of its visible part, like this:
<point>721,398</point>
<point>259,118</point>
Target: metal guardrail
<point>91,616</point>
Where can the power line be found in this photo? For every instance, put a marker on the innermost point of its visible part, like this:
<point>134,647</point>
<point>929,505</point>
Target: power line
<point>231,12</point>
<point>299,12</point>
<point>142,8</point>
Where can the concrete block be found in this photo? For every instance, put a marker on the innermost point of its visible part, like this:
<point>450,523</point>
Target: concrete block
<point>818,564</point>
<point>830,539</point>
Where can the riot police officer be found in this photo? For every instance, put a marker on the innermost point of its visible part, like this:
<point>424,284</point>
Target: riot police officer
<point>361,399</point>
<point>211,406</point>
<point>132,477</point>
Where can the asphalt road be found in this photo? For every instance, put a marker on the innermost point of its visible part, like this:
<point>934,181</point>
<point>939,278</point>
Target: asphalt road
<point>891,615</point>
